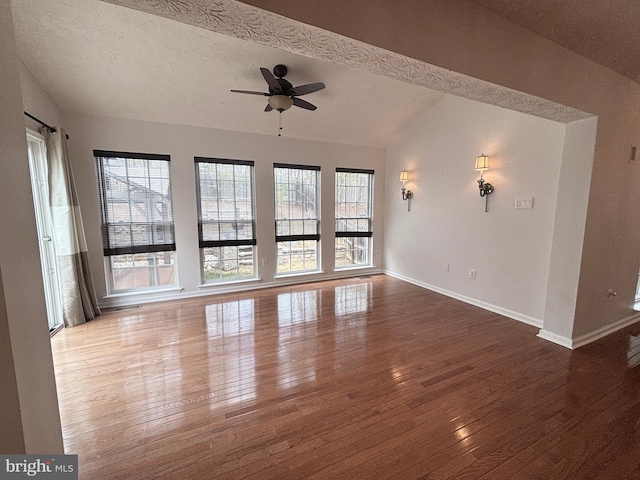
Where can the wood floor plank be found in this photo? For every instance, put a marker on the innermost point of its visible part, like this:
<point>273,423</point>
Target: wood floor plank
<point>356,378</point>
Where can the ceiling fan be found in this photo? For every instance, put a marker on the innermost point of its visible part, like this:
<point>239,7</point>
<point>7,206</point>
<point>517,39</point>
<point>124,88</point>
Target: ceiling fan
<point>282,95</point>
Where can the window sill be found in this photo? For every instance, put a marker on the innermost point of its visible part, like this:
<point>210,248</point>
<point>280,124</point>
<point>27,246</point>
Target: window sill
<point>354,267</point>
<point>134,293</point>
<point>222,283</point>
<point>298,274</point>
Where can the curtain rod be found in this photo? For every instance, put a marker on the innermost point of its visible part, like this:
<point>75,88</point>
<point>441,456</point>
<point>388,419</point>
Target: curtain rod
<point>51,129</point>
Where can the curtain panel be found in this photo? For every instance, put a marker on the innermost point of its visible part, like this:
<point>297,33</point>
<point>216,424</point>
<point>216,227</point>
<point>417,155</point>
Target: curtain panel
<point>79,301</point>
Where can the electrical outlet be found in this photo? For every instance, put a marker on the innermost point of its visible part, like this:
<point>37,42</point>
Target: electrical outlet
<point>264,262</point>
<point>524,203</point>
<point>472,274</point>
<point>446,267</point>
<point>377,253</point>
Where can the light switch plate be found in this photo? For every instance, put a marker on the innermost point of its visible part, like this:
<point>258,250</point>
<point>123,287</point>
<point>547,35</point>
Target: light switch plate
<point>524,203</point>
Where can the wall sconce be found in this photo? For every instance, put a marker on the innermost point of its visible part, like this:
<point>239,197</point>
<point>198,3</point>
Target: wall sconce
<point>482,164</point>
<point>406,194</point>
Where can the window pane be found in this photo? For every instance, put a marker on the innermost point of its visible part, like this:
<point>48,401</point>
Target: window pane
<point>221,263</point>
<point>295,191</point>
<point>297,256</point>
<point>351,251</point>
<point>142,270</point>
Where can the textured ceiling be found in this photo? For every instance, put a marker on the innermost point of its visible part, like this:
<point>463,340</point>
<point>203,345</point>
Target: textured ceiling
<point>605,31</point>
<point>100,59</point>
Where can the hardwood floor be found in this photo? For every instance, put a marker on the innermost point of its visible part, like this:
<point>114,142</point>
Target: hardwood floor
<point>362,378</point>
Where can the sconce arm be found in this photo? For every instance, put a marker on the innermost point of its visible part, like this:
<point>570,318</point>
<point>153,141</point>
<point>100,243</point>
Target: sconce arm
<point>485,187</point>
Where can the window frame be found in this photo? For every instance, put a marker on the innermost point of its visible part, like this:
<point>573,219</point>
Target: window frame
<point>338,233</point>
<point>110,249</point>
<point>237,242</point>
<point>299,237</point>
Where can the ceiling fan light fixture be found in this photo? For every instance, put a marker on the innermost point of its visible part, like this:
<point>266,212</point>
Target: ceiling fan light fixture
<point>280,102</point>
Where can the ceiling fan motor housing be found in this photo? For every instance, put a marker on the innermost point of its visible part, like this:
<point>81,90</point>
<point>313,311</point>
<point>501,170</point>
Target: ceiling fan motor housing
<point>280,71</point>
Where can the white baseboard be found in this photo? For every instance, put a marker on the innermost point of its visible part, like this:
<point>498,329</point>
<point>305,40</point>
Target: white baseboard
<point>566,342</point>
<point>604,331</point>
<point>211,290</point>
<point>555,338</point>
<point>534,322</point>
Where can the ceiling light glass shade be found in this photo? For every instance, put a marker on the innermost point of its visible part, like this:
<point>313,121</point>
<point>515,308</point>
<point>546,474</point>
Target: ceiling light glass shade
<point>404,176</point>
<point>280,102</point>
<point>482,162</point>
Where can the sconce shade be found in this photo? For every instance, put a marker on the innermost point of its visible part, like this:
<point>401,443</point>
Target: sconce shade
<point>404,176</point>
<point>280,102</point>
<point>482,162</point>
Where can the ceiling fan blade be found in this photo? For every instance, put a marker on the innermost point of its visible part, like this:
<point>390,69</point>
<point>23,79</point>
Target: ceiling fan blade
<point>298,102</point>
<point>268,108</point>
<point>304,89</point>
<point>271,80</point>
<point>251,93</point>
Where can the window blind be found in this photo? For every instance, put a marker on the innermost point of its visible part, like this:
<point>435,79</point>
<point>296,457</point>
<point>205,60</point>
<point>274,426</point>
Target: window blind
<point>353,202</point>
<point>135,202</point>
<point>225,202</point>
<point>296,201</point>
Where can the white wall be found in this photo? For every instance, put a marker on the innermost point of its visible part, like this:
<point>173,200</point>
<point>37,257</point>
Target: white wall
<point>23,312</point>
<point>509,249</point>
<point>36,101</point>
<point>183,143</point>
<point>568,230</point>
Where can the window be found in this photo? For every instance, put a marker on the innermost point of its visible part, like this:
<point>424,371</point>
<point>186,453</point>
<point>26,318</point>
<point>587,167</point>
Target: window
<point>226,223</point>
<point>297,217</point>
<point>353,217</point>
<point>137,219</point>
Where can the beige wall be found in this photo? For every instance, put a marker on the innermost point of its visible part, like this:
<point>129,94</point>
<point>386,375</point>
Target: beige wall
<point>23,312</point>
<point>465,38</point>
<point>12,438</point>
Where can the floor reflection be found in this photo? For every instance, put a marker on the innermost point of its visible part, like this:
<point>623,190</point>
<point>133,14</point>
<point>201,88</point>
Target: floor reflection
<point>350,332</point>
<point>298,314</point>
<point>231,350</point>
<point>354,298</point>
<point>297,307</point>
<point>230,318</point>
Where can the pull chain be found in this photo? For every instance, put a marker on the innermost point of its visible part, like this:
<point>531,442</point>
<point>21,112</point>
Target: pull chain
<point>280,124</point>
